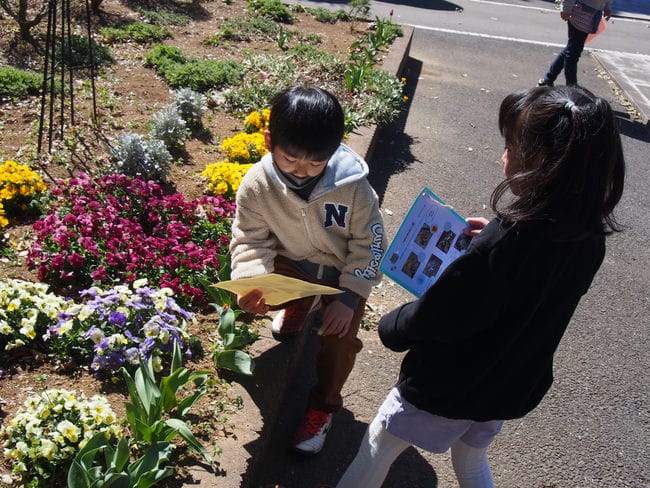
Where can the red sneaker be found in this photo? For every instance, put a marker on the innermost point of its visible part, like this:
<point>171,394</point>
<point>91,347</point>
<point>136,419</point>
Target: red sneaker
<point>290,321</point>
<point>310,436</point>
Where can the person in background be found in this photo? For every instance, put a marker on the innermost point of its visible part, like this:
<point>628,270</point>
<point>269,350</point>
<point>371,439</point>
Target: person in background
<point>307,211</point>
<point>481,339</point>
<point>582,18</point>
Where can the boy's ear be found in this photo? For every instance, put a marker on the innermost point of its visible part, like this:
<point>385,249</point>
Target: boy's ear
<point>267,140</point>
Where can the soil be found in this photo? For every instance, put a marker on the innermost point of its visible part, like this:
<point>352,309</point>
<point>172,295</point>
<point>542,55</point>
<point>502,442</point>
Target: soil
<point>128,94</point>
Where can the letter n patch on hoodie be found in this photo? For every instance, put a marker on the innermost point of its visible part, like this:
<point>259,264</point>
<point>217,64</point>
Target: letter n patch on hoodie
<point>335,213</point>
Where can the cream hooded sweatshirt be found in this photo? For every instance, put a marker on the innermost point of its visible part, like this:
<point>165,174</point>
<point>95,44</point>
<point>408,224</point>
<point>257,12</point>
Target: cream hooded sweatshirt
<point>340,226</point>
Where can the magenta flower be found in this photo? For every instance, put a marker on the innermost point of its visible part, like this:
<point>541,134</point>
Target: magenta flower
<point>116,228</point>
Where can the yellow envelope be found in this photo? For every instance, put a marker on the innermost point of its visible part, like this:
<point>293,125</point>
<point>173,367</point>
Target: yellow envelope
<point>277,288</point>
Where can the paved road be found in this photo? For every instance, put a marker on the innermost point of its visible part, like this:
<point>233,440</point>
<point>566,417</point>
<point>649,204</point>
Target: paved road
<point>623,49</point>
<point>591,430</point>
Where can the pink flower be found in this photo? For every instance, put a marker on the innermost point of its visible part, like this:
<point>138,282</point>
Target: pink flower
<point>76,260</point>
<point>99,274</point>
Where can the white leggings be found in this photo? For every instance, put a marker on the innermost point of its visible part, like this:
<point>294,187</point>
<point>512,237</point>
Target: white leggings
<point>379,448</point>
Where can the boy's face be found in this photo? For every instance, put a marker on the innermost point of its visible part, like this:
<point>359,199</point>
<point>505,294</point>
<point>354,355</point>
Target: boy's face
<point>292,165</point>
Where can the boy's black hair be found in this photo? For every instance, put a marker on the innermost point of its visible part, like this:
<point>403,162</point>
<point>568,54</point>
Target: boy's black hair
<point>569,156</point>
<point>307,122</point>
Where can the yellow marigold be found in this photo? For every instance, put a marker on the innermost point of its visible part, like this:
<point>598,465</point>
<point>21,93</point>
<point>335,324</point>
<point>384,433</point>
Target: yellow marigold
<point>223,178</point>
<point>244,148</point>
<point>257,121</point>
<point>18,186</point>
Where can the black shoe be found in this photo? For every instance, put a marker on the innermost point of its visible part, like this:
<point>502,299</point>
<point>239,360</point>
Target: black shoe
<point>544,82</point>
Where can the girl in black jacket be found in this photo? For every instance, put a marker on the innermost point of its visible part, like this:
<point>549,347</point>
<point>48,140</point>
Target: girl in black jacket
<point>523,276</point>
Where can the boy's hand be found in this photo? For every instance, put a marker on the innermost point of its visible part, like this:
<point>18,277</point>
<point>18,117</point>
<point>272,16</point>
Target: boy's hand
<point>476,225</point>
<point>253,302</point>
<point>336,319</point>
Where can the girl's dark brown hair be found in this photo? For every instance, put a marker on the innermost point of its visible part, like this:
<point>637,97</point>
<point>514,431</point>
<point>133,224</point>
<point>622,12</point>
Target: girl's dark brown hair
<point>568,152</point>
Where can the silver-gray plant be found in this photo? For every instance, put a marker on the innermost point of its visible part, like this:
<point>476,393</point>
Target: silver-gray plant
<point>191,105</point>
<point>169,127</point>
<point>149,160</point>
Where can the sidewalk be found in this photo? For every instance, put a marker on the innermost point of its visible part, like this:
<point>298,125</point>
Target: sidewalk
<point>631,72</point>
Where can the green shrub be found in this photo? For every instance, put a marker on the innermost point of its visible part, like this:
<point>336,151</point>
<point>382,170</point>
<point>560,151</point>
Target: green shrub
<point>240,29</point>
<point>162,55</point>
<point>359,9</point>
<point>17,83</point>
<point>135,31</point>
<point>321,14</point>
<point>79,55</point>
<point>180,71</point>
<point>341,14</point>
<point>271,9</point>
<point>164,17</point>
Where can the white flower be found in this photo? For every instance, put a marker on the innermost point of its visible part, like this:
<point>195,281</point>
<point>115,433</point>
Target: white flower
<point>140,283</point>
<point>69,430</point>
<point>48,449</point>
<point>156,362</point>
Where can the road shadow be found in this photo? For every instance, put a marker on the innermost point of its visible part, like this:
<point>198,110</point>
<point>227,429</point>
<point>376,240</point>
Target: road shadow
<point>425,4</point>
<point>631,128</point>
<point>392,153</point>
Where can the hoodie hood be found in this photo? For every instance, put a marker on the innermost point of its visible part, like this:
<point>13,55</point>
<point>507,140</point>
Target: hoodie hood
<point>344,167</point>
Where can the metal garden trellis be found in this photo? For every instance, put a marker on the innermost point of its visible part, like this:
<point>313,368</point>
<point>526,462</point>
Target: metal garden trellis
<point>56,63</point>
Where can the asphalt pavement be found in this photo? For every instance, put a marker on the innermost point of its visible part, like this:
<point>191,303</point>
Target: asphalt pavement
<point>591,430</point>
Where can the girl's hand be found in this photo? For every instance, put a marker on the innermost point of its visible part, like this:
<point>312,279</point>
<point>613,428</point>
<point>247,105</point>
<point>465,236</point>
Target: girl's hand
<point>476,225</point>
<point>564,16</point>
<point>336,319</point>
<point>253,302</point>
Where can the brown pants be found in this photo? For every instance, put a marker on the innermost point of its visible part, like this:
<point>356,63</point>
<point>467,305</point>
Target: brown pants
<point>335,358</point>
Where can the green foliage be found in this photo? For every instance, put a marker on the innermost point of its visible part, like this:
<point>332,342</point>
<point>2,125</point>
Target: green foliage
<point>321,14</point>
<point>180,71</point>
<point>227,353</point>
<point>164,17</point>
<point>359,9</point>
<point>150,402</point>
<point>271,9</point>
<point>18,83</point>
<point>245,29</point>
<point>283,38</point>
<point>82,53</point>
<point>386,32</point>
<point>104,462</point>
<point>138,32</point>
<point>342,14</point>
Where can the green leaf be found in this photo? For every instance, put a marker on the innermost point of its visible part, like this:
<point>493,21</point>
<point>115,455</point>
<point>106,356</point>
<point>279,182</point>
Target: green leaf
<point>224,266</point>
<point>148,391</point>
<point>177,357</point>
<point>226,322</point>
<point>145,471</point>
<point>217,295</point>
<point>169,385</point>
<point>122,455</point>
<point>235,360</point>
<point>186,403</point>
<point>184,431</point>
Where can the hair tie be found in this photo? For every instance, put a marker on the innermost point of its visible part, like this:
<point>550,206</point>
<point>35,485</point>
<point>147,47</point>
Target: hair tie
<point>570,106</point>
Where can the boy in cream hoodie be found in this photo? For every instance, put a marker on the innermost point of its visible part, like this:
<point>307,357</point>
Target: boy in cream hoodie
<point>306,210</point>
